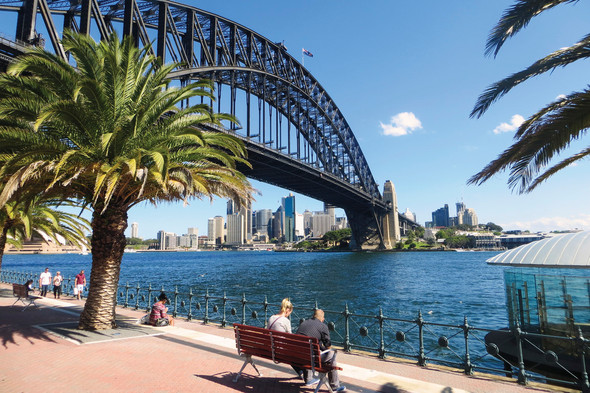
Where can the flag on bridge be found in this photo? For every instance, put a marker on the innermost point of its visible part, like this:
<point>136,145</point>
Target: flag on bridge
<point>307,53</point>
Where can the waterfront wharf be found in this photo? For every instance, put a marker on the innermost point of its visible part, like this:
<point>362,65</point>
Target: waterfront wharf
<point>43,351</point>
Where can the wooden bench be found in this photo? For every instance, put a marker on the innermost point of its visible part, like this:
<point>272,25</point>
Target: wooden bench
<point>22,294</point>
<point>293,349</point>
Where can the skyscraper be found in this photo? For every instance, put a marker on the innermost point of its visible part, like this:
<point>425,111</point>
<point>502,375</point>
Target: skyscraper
<point>134,230</point>
<point>289,218</point>
<point>440,217</point>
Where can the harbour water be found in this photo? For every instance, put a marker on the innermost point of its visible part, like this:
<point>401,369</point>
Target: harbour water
<point>445,286</point>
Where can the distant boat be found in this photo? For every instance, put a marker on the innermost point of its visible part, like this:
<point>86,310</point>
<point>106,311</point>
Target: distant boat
<point>130,250</point>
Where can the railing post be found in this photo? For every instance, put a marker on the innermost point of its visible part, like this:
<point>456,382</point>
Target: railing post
<point>206,307</point>
<point>521,370</point>
<point>346,314</point>
<point>126,294</point>
<point>468,365</point>
<point>421,355</point>
<point>581,341</point>
<point>189,315</point>
<point>265,312</point>
<point>223,321</point>
<point>149,298</point>
<point>243,308</point>
<point>175,312</point>
<point>381,338</point>
<point>137,296</point>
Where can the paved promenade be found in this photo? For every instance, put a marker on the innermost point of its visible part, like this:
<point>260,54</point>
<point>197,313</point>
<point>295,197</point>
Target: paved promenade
<point>42,351</point>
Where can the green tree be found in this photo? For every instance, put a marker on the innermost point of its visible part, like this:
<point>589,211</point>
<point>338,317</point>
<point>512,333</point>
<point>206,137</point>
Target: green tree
<point>549,131</point>
<point>490,226</point>
<point>110,134</point>
<point>19,221</point>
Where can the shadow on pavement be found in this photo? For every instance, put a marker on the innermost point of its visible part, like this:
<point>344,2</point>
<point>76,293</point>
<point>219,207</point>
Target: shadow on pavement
<point>248,383</point>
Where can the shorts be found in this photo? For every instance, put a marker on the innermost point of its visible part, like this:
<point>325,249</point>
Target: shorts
<point>78,289</point>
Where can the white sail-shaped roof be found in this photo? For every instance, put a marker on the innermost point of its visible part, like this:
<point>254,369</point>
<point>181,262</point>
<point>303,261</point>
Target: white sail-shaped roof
<point>571,250</point>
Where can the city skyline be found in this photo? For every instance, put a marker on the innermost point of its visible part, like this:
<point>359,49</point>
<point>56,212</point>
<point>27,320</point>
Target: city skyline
<point>406,75</point>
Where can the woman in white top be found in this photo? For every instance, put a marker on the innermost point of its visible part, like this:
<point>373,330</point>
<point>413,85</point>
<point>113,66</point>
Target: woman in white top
<point>281,322</point>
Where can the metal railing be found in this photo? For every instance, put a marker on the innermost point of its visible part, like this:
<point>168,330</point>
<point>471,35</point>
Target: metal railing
<point>461,346</point>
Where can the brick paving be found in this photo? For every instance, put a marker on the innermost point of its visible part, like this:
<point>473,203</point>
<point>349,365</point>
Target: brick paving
<point>189,357</point>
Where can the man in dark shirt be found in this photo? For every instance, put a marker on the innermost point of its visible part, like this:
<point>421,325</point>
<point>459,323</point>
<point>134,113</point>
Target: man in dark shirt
<point>315,327</point>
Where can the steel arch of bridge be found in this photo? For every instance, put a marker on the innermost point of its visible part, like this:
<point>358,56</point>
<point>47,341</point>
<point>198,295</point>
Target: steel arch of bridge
<point>317,140</point>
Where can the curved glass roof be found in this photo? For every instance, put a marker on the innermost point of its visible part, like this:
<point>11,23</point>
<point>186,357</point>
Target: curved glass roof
<point>570,250</point>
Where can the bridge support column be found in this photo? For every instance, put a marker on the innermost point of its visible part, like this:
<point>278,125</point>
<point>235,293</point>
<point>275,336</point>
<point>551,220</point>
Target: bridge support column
<point>366,226</point>
<point>391,230</point>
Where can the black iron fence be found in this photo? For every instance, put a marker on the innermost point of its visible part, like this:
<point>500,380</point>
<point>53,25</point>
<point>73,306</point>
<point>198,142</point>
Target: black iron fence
<point>526,356</point>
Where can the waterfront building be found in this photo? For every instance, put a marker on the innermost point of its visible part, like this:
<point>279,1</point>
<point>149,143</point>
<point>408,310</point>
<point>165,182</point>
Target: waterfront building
<point>215,232</point>
<point>134,230</point>
<point>469,217</point>
<point>391,233</point>
<point>460,211</point>
<point>440,217</point>
<point>288,216</point>
<point>320,224</point>
<point>236,233</point>
<point>263,221</point>
<point>512,241</point>
<point>307,217</point>
<point>277,228</point>
<point>299,227</point>
<point>161,240</point>
<point>171,241</point>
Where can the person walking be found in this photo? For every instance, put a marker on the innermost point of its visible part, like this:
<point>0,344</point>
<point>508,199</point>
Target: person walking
<point>44,281</point>
<point>57,280</point>
<point>80,283</point>
<point>315,327</point>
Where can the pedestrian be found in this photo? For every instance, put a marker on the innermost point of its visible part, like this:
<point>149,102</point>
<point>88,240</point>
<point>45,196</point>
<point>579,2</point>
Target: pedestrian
<point>281,322</point>
<point>57,280</point>
<point>79,284</point>
<point>315,327</point>
<point>44,281</point>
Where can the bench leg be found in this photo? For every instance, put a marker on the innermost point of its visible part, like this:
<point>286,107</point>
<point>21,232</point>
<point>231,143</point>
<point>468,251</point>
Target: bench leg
<point>246,362</point>
<point>323,380</point>
<point>31,302</point>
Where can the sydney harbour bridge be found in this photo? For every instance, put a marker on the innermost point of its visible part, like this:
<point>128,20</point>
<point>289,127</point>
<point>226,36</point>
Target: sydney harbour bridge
<point>295,135</point>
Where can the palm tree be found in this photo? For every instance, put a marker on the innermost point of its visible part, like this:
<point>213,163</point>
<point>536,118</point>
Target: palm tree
<point>549,131</point>
<point>20,221</point>
<point>110,134</point>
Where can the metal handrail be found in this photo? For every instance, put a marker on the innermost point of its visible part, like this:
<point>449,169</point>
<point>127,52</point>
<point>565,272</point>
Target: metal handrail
<point>458,345</point>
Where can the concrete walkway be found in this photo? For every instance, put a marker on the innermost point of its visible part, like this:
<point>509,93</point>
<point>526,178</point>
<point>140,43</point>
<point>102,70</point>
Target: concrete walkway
<point>42,351</point>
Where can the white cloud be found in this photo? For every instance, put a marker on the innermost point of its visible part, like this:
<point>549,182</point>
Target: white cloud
<point>546,224</point>
<point>401,124</point>
<point>515,122</point>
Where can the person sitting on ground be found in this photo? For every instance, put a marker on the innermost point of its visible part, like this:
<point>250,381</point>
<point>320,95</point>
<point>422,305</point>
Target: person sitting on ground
<point>315,327</point>
<point>281,322</point>
<point>159,316</point>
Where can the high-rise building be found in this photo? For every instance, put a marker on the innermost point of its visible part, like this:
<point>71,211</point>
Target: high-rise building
<point>460,212</point>
<point>161,240</point>
<point>320,224</point>
<point>216,233</point>
<point>440,217</point>
<point>289,218</point>
<point>235,229</point>
<point>134,230</point>
<point>391,233</point>
<point>470,218</point>
<point>263,222</point>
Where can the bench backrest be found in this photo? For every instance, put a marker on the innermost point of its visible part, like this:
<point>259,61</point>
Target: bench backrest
<point>294,349</point>
<point>20,290</point>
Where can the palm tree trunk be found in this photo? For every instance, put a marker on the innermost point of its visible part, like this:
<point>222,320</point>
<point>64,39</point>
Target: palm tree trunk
<point>108,244</point>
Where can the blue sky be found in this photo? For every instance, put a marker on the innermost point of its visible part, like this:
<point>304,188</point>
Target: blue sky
<point>406,75</point>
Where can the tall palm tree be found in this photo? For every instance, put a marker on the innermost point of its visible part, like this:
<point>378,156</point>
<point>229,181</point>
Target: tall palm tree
<point>19,221</point>
<point>549,131</point>
<point>110,134</point>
